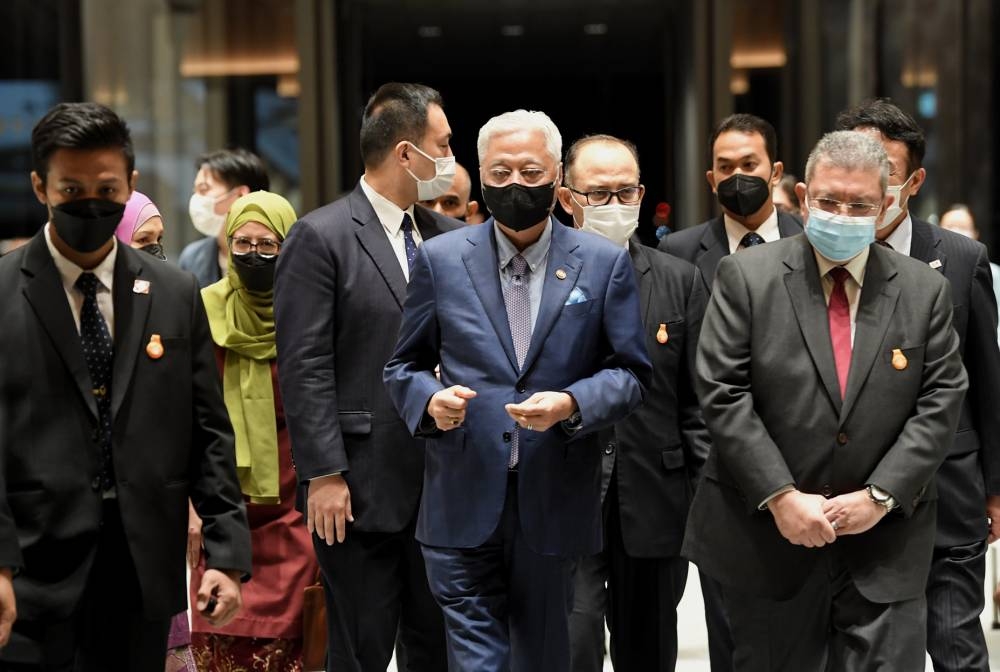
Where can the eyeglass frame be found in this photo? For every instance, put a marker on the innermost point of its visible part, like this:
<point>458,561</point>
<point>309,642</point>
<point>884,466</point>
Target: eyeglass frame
<point>611,194</point>
<point>871,209</point>
<point>253,246</point>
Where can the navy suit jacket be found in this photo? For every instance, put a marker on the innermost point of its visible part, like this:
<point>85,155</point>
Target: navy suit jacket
<point>594,349</point>
<point>972,468</point>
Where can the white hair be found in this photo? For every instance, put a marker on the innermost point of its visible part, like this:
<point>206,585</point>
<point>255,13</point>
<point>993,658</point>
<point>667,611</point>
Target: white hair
<point>851,150</point>
<point>521,120</point>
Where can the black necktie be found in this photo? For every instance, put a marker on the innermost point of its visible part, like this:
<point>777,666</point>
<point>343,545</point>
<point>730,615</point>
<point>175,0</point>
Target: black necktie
<point>751,239</point>
<point>408,241</point>
<point>98,350</point>
<point>884,243</point>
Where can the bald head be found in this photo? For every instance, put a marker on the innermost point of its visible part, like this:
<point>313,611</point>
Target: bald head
<point>959,220</point>
<point>455,202</point>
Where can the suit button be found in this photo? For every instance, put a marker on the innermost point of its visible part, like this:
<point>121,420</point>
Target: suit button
<point>842,438</point>
<point>95,484</point>
<point>610,448</point>
<point>521,388</point>
<point>826,491</point>
<point>506,437</point>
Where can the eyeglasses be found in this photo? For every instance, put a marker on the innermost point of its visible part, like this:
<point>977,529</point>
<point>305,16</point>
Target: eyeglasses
<point>853,209</point>
<point>265,247</point>
<point>627,195</point>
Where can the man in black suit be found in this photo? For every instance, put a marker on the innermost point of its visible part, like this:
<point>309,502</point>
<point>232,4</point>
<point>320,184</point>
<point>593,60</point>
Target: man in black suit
<point>969,479</point>
<point>743,176</point>
<point>653,456</point>
<point>111,417</point>
<point>831,381</point>
<point>339,292</point>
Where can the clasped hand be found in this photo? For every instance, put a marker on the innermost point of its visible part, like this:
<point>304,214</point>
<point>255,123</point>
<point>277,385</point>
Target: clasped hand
<point>814,521</point>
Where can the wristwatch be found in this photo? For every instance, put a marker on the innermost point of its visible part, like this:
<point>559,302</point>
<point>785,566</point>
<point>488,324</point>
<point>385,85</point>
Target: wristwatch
<point>881,497</point>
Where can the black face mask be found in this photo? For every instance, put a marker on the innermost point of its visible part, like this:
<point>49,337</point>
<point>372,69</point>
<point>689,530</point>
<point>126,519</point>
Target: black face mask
<point>154,249</point>
<point>87,224</point>
<point>519,207</point>
<point>255,272</point>
<point>743,194</point>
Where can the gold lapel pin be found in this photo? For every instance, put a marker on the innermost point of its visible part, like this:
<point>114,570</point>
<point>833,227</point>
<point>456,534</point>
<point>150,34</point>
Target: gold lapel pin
<point>155,347</point>
<point>899,361</point>
<point>561,274</point>
<point>140,286</point>
<point>661,335</point>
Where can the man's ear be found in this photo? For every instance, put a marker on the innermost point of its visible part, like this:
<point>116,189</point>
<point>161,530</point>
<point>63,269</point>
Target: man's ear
<point>402,152</point>
<point>471,208</point>
<point>918,181</point>
<point>133,182</point>
<point>710,176</point>
<point>38,186</point>
<point>777,171</point>
<point>565,199</point>
<point>800,191</point>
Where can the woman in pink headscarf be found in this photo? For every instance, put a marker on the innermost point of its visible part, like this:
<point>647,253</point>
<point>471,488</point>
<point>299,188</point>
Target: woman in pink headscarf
<point>141,226</point>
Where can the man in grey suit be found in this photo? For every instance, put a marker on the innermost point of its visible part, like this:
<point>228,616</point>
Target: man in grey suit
<point>831,382</point>
<point>338,301</point>
<point>969,478</point>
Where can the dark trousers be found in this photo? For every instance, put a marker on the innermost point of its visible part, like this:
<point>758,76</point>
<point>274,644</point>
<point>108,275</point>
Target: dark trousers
<point>375,586</point>
<point>955,638</point>
<point>720,638</point>
<point>108,632</point>
<point>505,606</point>
<point>641,605</point>
<point>828,625</point>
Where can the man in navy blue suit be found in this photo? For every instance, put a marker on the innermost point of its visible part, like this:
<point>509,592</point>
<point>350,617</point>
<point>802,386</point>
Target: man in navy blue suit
<point>537,332</point>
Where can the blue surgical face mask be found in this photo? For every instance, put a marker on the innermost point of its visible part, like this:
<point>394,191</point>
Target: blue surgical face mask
<point>838,237</point>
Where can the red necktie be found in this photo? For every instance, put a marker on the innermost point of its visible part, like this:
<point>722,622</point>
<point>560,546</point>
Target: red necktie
<point>838,312</point>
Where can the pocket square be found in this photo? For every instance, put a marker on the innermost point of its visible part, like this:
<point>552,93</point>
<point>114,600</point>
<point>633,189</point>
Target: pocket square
<point>576,296</point>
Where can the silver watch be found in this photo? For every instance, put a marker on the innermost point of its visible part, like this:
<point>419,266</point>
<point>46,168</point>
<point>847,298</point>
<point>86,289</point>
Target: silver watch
<point>881,497</point>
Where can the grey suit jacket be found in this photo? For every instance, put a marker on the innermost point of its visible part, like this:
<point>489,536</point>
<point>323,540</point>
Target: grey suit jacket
<point>768,387</point>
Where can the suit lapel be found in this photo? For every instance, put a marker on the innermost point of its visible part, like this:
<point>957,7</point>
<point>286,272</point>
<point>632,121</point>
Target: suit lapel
<point>788,226</point>
<point>45,292</point>
<point>875,310</point>
<point>371,235</point>
<point>924,244</point>
<point>806,293</point>
<point>714,246</point>
<point>480,259</point>
<point>131,310</point>
<point>640,262</point>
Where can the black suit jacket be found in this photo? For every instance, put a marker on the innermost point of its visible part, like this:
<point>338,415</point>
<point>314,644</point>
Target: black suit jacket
<point>339,294</point>
<point>660,448</point>
<point>768,387</point>
<point>972,468</point>
<point>706,244</point>
<point>171,436</point>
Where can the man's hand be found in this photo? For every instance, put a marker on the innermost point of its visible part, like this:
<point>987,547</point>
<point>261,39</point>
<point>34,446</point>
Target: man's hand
<point>542,410</point>
<point>8,605</point>
<point>447,406</point>
<point>329,508</point>
<point>219,597</point>
<point>993,516</point>
<point>853,513</point>
<point>194,537</point>
<point>800,519</point>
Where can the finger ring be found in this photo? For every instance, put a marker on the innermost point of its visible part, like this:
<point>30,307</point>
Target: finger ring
<point>454,421</point>
<point>834,525</point>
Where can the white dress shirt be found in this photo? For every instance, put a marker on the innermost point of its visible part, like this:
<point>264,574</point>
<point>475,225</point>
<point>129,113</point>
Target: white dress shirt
<point>852,287</point>
<point>901,237</point>
<point>768,230</point>
<point>391,216</point>
<point>70,273</point>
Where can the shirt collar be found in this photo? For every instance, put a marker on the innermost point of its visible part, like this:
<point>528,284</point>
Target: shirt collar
<point>70,272</point>
<point>768,230</point>
<point>901,237</point>
<point>390,214</point>
<point>856,266</point>
<point>534,254</point>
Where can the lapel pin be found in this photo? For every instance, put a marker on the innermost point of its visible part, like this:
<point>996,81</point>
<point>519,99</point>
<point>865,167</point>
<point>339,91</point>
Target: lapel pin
<point>661,335</point>
<point>561,274</point>
<point>140,286</point>
<point>935,264</point>
<point>155,347</point>
<point>899,361</point>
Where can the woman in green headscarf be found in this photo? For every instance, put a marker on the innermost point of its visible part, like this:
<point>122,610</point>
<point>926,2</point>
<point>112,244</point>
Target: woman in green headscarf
<point>240,311</point>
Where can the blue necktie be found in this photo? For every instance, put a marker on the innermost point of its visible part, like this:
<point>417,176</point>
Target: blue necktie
<point>518,299</point>
<point>751,239</point>
<point>411,245</point>
<point>98,351</point>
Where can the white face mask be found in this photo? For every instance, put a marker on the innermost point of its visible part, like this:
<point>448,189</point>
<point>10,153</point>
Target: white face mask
<point>615,221</point>
<point>201,208</point>
<point>444,175</point>
<point>892,212</point>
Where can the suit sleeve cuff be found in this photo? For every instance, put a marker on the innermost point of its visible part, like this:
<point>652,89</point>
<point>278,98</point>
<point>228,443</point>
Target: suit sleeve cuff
<point>780,491</point>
